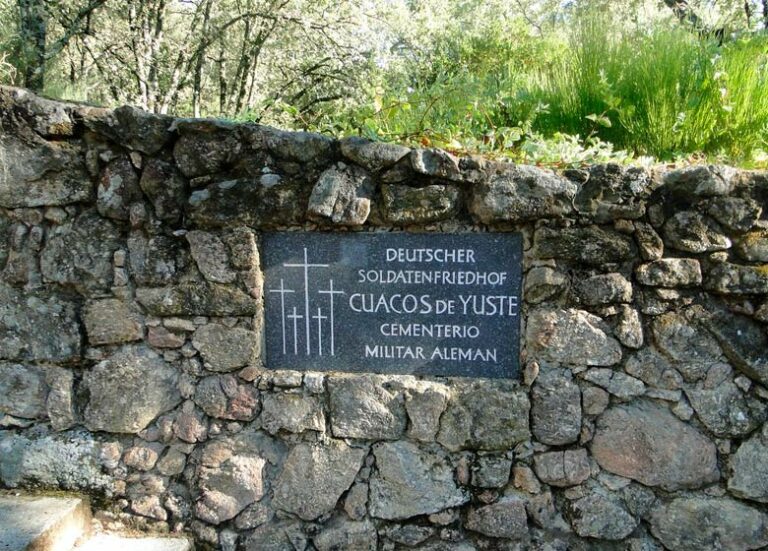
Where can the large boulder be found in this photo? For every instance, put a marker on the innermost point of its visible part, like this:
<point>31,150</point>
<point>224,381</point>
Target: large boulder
<point>315,476</point>
<point>612,191</point>
<point>750,470</point>
<point>556,408</point>
<point>521,193</point>
<point>224,348</point>
<point>590,245</point>
<point>571,337</point>
<point>79,253</point>
<point>410,481</point>
<point>38,327</point>
<point>645,442</point>
<point>695,523</point>
<point>128,390</point>
<point>364,407</point>
<point>37,173</point>
<point>64,461</point>
<point>485,415</point>
<point>233,473</point>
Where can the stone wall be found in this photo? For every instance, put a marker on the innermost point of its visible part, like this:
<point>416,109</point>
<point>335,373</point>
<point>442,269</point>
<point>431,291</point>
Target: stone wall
<point>130,344</point>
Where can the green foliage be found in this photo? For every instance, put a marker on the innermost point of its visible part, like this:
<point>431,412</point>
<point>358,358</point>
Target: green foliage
<point>628,90</point>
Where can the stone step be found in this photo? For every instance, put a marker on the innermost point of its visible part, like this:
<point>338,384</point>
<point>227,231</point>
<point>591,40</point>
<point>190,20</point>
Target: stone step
<point>110,542</point>
<point>42,523</point>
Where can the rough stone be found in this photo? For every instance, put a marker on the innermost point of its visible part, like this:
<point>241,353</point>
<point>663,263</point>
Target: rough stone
<point>735,213</point>
<point>654,370</point>
<point>555,408</point>
<point>79,253</point>
<point>542,283</point>
<point>158,260</point>
<point>60,403</point>
<point>303,147</point>
<point>409,535</point>
<point>150,507</point>
<point>172,463</point>
<point>23,390</point>
<point>205,147</point>
<point>409,205</point>
<point>284,535</point>
<point>617,383</point>
<point>342,195</point>
<point>734,279</point>
<point>601,515</point>
<point>118,188</point>
<point>66,460</point>
<point>645,442</point>
<point>142,457</point>
<point>753,246</point>
<point>694,523</point>
<point>42,173</point>
<point>211,256</point>
<point>315,476</point>
<point>292,412</point>
<point>749,466</point>
<point>224,397</point>
<point>161,337</point>
<point>356,502</point>
<point>629,329</point>
<point>701,181</point>
<point>603,289</point>
<point>247,202</point>
<point>425,402</point>
<point>520,193</point>
<point>363,407</point>
<point>485,415</point>
<point>111,321</point>
<point>594,400</point>
<point>373,156</point>
<point>491,471</point>
<point>743,342</point>
<point>572,337</point>
<point>670,272</point>
<point>165,188</point>
<point>410,482</point>
<point>504,519</point>
<point>592,245</point>
<point>436,163</point>
<point>234,473</point>
<point>694,233</point>
<point>347,534</point>
<point>139,130</point>
<point>129,390</point>
<point>648,242</point>
<point>612,191</point>
<point>196,299</point>
<point>562,468</point>
<point>38,327</point>
<point>725,411</point>
<point>681,337</point>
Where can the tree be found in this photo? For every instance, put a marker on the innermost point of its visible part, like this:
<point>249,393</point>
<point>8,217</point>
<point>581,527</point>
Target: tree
<point>35,48</point>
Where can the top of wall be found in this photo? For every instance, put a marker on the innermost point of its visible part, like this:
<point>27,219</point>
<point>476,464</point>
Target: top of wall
<point>209,173</point>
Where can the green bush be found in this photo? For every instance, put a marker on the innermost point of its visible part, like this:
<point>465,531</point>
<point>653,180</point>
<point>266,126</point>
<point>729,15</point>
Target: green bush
<point>662,91</point>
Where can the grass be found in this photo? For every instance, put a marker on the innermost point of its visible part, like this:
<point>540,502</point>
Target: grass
<point>600,91</point>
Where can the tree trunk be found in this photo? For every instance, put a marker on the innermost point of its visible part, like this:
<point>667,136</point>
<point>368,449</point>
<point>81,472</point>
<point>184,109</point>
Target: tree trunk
<point>33,31</point>
<point>765,14</point>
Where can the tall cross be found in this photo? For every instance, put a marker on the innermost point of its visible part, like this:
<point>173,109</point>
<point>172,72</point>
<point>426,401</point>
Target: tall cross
<point>331,292</point>
<point>282,291</point>
<point>320,317</point>
<point>295,317</point>
<point>306,266</point>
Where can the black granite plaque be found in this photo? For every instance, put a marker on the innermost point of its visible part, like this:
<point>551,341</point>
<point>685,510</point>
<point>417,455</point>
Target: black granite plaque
<point>433,304</point>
